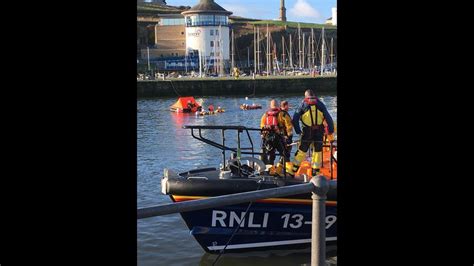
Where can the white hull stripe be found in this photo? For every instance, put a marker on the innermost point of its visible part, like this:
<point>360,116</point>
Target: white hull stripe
<point>267,244</point>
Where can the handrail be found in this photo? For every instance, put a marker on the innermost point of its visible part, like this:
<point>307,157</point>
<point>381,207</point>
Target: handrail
<point>241,128</point>
<point>319,187</point>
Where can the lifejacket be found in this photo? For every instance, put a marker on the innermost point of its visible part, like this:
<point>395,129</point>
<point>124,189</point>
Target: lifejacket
<point>313,117</point>
<point>271,121</point>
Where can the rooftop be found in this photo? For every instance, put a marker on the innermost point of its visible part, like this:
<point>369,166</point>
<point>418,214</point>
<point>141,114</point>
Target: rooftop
<point>207,6</point>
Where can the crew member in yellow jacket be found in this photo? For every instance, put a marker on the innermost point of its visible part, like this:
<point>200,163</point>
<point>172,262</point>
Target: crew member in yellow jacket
<point>312,114</point>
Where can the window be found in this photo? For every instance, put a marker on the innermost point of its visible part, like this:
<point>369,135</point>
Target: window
<point>206,20</point>
<point>212,43</point>
<point>171,21</point>
<point>212,32</point>
<point>218,42</point>
<point>212,53</point>
<point>217,32</point>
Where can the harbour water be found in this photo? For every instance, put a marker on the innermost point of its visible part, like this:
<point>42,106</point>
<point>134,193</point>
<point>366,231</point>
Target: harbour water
<point>163,143</point>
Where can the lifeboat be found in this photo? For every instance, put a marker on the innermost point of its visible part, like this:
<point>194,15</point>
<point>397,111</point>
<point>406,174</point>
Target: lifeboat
<point>266,224</point>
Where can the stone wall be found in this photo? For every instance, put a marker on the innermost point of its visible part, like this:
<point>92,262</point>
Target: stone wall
<point>210,87</point>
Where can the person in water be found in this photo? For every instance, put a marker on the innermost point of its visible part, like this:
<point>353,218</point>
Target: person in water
<point>289,135</point>
<point>275,129</point>
<point>312,113</point>
<point>191,105</point>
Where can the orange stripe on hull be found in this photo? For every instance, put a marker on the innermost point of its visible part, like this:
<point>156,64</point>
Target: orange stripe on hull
<point>269,200</point>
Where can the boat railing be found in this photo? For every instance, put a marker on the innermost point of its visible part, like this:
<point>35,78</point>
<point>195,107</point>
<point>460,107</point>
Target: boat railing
<point>239,150</point>
<point>222,146</point>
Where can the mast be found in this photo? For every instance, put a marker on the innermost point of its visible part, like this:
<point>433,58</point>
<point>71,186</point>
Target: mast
<point>275,58</point>
<point>283,51</point>
<point>322,52</point>
<point>200,63</point>
<point>148,56</point>
<point>332,54</point>
<point>258,49</point>
<point>248,57</point>
<point>221,52</point>
<point>268,53</point>
<point>312,47</point>
<point>254,50</point>
<point>233,65</point>
<point>215,59</point>
<point>299,46</point>
<point>291,53</point>
<point>309,52</point>
<point>302,56</point>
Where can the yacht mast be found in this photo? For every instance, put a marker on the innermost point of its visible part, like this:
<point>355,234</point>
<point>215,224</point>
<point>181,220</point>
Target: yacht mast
<point>322,52</point>
<point>254,50</point>
<point>233,65</point>
<point>283,52</point>
<point>312,47</point>
<point>302,56</point>
<point>332,54</point>
<point>221,52</point>
<point>299,46</point>
<point>258,50</point>
<point>268,53</point>
<point>291,53</point>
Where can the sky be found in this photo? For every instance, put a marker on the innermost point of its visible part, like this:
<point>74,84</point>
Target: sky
<point>311,11</point>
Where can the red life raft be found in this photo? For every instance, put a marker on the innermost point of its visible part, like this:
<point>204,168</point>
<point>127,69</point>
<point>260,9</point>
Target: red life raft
<point>186,105</point>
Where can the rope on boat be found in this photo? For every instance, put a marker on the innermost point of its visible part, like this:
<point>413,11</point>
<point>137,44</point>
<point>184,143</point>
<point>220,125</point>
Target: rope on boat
<point>236,229</point>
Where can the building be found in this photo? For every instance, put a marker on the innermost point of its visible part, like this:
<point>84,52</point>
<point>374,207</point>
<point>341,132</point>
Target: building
<point>332,20</point>
<point>334,16</point>
<point>207,30</point>
<point>170,38</point>
<point>160,30</point>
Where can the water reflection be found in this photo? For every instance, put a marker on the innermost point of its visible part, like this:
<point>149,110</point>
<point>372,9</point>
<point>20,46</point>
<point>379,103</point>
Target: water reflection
<point>258,258</point>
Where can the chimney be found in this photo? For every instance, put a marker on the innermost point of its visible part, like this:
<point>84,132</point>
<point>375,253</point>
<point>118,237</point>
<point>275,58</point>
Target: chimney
<point>282,10</point>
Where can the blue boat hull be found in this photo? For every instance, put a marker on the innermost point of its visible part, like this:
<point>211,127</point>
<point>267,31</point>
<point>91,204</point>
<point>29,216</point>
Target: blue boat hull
<point>266,226</point>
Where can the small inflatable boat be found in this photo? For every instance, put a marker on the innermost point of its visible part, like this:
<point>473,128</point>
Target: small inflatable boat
<point>250,107</point>
<point>202,113</point>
